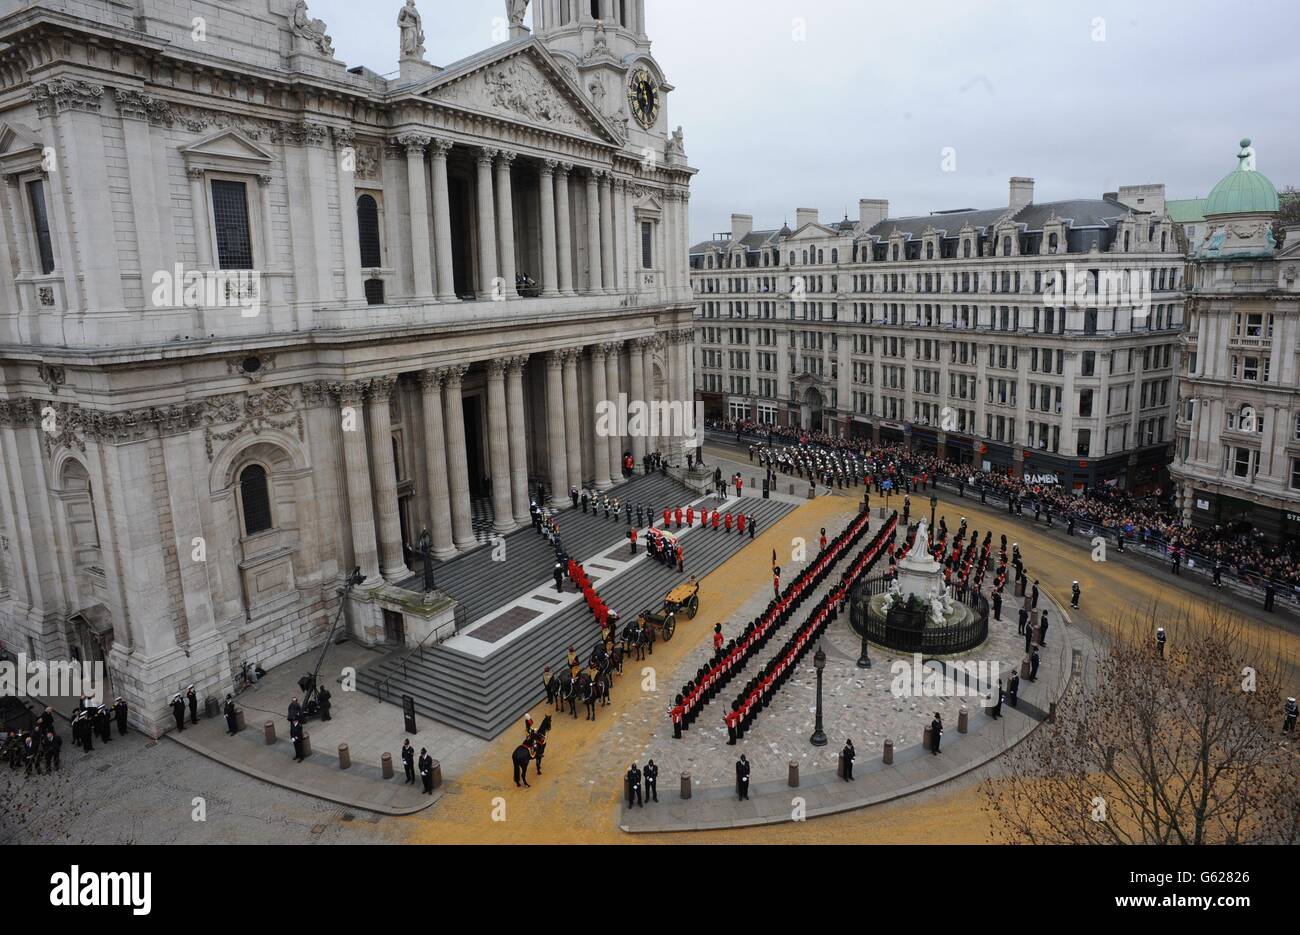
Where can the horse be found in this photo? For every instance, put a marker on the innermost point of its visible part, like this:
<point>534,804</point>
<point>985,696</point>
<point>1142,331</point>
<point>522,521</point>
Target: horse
<point>523,753</point>
<point>591,690</point>
<point>539,741</point>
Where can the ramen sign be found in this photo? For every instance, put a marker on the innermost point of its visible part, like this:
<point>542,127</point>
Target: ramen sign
<point>1041,480</point>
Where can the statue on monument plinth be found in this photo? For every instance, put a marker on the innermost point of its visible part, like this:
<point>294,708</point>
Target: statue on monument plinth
<point>921,545</point>
<point>310,30</point>
<point>408,21</point>
<point>515,10</point>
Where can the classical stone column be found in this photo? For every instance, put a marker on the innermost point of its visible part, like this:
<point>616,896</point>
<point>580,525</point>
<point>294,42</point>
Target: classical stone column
<point>606,189</point>
<point>344,146</point>
<point>620,238</point>
<point>435,454</point>
<point>673,426</point>
<point>499,447</point>
<point>453,417</point>
<point>648,375</point>
<point>518,438</point>
<point>199,206</point>
<point>636,394</point>
<point>487,235</point>
<point>506,225</point>
<point>442,220</point>
<point>546,190</point>
<point>384,476</point>
<point>557,455</point>
<point>361,511</point>
<point>600,448</point>
<point>613,352</point>
<point>594,283</point>
<point>572,428</point>
<point>418,196</point>
<point>564,228</point>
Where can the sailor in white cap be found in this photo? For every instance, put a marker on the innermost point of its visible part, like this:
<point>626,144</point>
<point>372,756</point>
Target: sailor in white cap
<point>1288,723</point>
<point>1160,641</point>
<point>1074,595</point>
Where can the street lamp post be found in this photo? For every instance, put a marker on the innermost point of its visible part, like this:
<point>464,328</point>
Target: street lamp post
<point>934,502</point>
<point>818,738</point>
<point>864,661</point>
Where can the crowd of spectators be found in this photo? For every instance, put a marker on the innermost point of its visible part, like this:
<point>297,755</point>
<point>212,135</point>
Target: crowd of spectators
<point>1237,547</point>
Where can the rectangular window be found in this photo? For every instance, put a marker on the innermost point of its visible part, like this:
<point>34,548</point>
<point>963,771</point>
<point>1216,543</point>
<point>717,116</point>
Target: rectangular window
<point>647,240</point>
<point>230,218</point>
<point>41,226</point>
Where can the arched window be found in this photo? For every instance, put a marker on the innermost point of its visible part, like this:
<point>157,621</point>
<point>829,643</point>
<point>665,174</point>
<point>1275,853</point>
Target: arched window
<point>792,258</point>
<point>821,256</point>
<point>805,258</point>
<point>835,256</point>
<point>1052,241</point>
<point>254,499</point>
<point>368,232</point>
<point>929,250</point>
<point>894,252</point>
<point>1127,238</point>
<point>1006,246</point>
<point>710,261</point>
<point>965,249</point>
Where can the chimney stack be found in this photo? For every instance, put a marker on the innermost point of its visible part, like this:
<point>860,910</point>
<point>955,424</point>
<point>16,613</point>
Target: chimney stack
<point>741,225</point>
<point>1022,192</point>
<point>871,211</point>
<point>804,216</point>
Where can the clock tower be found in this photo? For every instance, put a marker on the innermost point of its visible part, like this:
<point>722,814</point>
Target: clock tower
<point>604,47</point>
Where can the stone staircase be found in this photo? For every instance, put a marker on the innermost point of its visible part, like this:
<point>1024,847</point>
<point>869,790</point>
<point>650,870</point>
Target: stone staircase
<point>484,696</point>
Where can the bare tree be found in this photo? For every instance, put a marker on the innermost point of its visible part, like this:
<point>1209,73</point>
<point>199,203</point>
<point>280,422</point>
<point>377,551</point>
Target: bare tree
<point>1180,748</point>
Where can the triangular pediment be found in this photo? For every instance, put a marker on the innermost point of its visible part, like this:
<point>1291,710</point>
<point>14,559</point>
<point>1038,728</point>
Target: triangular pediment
<point>16,138</point>
<point>228,147</point>
<point>523,84</point>
<point>813,230</point>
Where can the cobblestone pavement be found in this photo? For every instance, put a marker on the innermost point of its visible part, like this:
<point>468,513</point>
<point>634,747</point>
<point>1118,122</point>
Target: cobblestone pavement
<point>137,791</point>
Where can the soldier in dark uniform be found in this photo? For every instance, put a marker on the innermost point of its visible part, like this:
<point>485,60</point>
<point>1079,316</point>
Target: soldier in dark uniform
<point>1023,625</point>
<point>549,683</point>
<point>846,757</point>
<point>651,774</point>
<point>1033,596</point>
<point>104,720</point>
<point>178,712</point>
<point>742,778</point>
<point>558,573</point>
<point>1013,689</point>
<point>573,495</point>
<point>408,761</point>
<point>32,754</point>
<point>192,697</point>
<point>323,695</point>
<point>1074,595</point>
<point>996,710</point>
<point>1289,716</point>
<point>1269,593</point>
<point>1042,629</point>
<point>584,501</point>
<point>232,725</point>
<point>119,708</point>
<point>1160,641</point>
<point>936,732</point>
<point>295,710</point>
<point>295,734</point>
<point>1033,666</point>
<point>634,787</point>
<point>426,771</point>
<point>997,605</point>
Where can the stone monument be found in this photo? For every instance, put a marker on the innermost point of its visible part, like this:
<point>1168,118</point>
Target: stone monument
<point>410,60</point>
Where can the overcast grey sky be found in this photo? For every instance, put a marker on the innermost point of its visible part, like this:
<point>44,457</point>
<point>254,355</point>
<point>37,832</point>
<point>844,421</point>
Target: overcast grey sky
<point>864,105</point>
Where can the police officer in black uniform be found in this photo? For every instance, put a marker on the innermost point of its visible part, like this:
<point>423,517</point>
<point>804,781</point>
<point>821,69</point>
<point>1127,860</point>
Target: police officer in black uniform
<point>119,708</point>
<point>295,734</point>
<point>231,724</point>
<point>426,771</point>
<point>996,710</point>
<point>742,778</point>
<point>936,732</point>
<point>651,774</point>
<point>178,712</point>
<point>846,757</point>
<point>634,787</point>
<point>408,760</point>
<point>192,697</point>
<point>323,696</point>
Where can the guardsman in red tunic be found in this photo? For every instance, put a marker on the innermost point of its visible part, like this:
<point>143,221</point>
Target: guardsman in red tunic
<point>690,516</point>
<point>726,521</point>
<point>717,637</point>
<point>739,484</point>
<point>677,515</point>
<point>732,720</point>
<point>776,582</point>
<point>716,519</point>
<point>677,713</point>
<point>667,517</point>
<point>740,522</point>
<point>821,542</point>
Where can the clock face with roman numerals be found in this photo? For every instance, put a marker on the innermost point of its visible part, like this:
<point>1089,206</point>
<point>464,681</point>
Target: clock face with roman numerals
<point>643,98</point>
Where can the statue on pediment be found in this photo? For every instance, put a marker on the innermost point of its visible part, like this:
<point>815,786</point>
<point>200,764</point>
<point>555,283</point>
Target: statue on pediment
<point>515,10</point>
<point>408,21</point>
<point>311,31</point>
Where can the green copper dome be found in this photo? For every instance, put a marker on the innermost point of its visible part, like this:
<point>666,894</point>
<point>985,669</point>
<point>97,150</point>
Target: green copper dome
<point>1243,191</point>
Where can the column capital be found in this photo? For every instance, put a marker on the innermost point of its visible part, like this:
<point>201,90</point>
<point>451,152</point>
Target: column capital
<point>598,352</point>
<point>563,168</point>
<point>555,359</point>
<point>264,181</point>
<point>349,392</point>
<point>195,172</point>
<point>432,379</point>
<point>571,355</point>
<point>344,136</point>
<point>504,157</point>
<point>549,166</point>
<point>439,147</point>
<point>413,142</point>
<point>613,347</point>
<point>484,156</point>
<point>515,365</point>
<point>453,375</point>
<point>496,367</point>
<point>381,388</point>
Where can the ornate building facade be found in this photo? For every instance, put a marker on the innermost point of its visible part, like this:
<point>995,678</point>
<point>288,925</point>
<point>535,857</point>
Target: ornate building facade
<point>1237,458</point>
<point>1040,339</point>
<point>265,316</point>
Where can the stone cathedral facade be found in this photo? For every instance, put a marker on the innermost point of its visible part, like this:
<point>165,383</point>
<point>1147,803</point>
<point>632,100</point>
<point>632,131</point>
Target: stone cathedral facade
<point>264,317</point>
